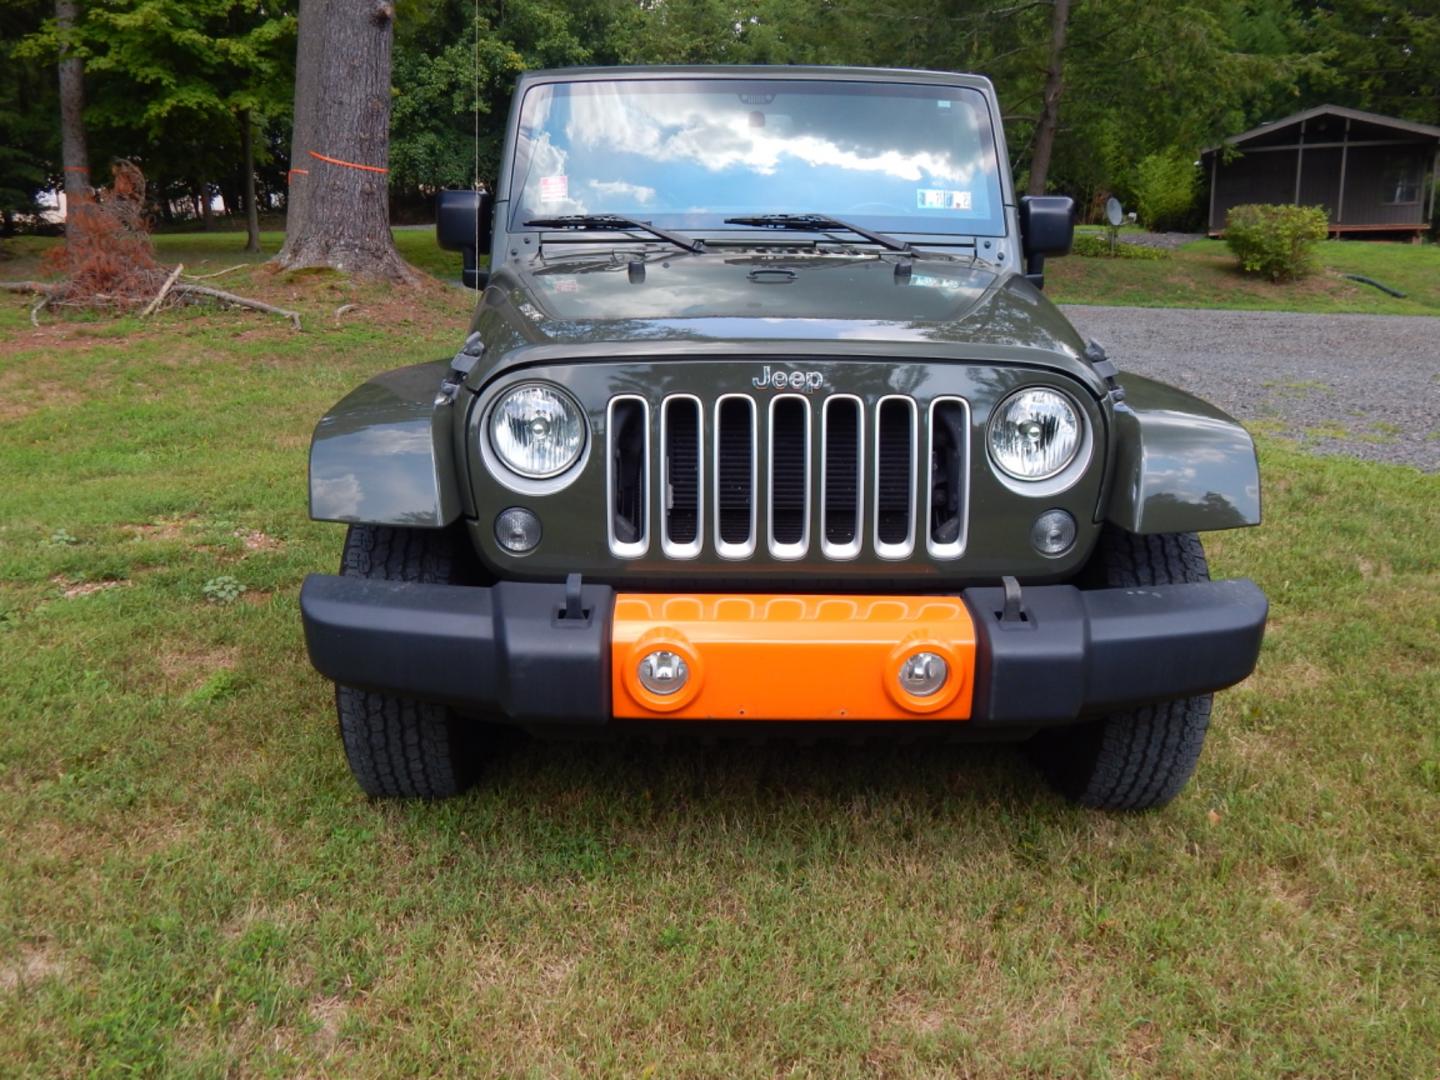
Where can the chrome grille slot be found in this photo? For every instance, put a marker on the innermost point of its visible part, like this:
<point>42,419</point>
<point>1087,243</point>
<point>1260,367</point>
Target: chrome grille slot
<point>895,466</point>
<point>789,476</point>
<point>842,466</point>
<point>683,477</point>
<point>947,486</point>
<point>627,475</point>
<point>735,468</point>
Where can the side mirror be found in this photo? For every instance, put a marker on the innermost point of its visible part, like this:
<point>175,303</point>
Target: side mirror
<point>463,222</point>
<point>1047,227</point>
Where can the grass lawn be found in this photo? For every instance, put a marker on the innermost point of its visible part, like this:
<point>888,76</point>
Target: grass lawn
<point>203,252</point>
<point>192,884</point>
<point>1204,274</point>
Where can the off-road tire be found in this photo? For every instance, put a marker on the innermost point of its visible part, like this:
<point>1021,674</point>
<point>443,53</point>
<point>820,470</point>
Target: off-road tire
<point>398,747</point>
<point>1142,758</point>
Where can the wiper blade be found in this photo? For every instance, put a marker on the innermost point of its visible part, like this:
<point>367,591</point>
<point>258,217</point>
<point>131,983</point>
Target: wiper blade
<point>619,224</point>
<point>817,223</point>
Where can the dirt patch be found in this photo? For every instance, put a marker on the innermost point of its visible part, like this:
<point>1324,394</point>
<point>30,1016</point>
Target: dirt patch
<point>164,529</point>
<point>25,390</point>
<point>911,1013</point>
<point>34,964</point>
<point>255,540</point>
<point>329,1014</point>
<point>71,590</point>
<point>188,668</point>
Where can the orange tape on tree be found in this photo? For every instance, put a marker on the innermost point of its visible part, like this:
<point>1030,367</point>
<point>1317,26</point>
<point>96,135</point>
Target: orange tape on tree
<point>347,164</point>
<point>296,172</point>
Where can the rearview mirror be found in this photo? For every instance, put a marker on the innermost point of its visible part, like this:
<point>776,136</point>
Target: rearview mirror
<point>463,223</point>
<point>1047,227</point>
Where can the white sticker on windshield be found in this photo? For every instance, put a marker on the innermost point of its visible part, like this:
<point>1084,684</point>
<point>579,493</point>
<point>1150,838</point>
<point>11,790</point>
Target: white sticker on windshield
<point>554,188</point>
<point>942,199</point>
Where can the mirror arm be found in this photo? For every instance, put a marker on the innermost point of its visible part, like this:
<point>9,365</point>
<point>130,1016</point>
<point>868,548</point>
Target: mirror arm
<point>471,275</point>
<point>1035,269</point>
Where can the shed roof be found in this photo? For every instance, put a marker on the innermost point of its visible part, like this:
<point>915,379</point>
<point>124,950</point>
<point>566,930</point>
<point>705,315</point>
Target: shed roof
<point>1423,130</point>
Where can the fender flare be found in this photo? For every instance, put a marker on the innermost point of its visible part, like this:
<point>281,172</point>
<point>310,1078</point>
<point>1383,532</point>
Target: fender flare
<point>1181,465</point>
<point>383,455</point>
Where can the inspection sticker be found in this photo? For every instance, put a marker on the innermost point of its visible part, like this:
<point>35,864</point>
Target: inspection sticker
<point>554,188</point>
<point>942,199</point>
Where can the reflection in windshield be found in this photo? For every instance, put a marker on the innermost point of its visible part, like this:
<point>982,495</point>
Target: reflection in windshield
<point>689,153</point>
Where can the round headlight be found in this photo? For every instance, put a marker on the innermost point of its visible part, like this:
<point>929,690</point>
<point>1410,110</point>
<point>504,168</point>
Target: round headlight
<point>537,430</point>
<point>1034,434</point>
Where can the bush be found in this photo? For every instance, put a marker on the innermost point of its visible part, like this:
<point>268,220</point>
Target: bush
<point>1165,191</point>
<point>1277,241</point>
<point>1099,247</point>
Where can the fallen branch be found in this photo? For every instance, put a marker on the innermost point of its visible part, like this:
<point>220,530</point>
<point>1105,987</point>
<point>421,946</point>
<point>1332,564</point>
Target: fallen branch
<point>343,309</point>
<point>164,289</point>
<point>40,305</point>
<point>217,273</point>
<point>27,286</point>
<point>184,289</point>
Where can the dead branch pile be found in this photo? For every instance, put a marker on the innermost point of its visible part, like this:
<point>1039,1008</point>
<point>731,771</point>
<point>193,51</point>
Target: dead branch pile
<point>107,261</point>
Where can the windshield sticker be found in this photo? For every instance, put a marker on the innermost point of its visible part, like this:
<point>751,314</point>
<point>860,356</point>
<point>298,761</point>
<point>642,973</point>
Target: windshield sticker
<point>554,189</point>
<point>942,199</point>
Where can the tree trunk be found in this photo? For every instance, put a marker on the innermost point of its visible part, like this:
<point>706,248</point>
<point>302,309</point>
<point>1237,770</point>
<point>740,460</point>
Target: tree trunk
<point>252,212</point>
<point>1049,121</point>
<point>339,157</point>
<point>205,208</point>
<point>74,154</point>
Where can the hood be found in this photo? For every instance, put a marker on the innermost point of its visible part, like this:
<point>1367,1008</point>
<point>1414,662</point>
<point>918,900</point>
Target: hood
<point>768,295</point>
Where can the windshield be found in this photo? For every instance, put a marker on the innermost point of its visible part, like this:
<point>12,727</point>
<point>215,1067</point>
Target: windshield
<point>686,154</point>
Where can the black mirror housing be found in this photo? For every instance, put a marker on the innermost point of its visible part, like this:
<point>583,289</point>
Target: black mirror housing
<point>1047,227</point>
<point>463,223</point>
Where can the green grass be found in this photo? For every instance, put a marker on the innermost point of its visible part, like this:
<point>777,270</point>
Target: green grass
<point>204,252</point>
<point>193,885</point>
<point>1204,274</point>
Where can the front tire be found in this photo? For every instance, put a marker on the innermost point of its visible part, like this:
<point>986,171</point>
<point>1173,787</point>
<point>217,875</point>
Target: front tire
<point>1139,759</point>
<point>398,747</point>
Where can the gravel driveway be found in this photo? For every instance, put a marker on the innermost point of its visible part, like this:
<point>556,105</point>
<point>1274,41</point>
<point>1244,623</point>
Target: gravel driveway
<point>1363,385</point>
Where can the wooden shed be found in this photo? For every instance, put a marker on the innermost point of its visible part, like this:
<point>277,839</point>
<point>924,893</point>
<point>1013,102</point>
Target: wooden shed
<point>1372,173</point>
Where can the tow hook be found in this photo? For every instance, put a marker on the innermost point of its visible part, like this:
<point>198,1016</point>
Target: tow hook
<point>1103,366</point>
<point>463,363</point>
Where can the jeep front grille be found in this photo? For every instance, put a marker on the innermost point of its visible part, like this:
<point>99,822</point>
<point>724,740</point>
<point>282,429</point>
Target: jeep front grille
<point>768,463</point>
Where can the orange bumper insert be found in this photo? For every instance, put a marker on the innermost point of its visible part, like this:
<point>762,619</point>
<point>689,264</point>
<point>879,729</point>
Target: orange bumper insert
<point>791,657</point>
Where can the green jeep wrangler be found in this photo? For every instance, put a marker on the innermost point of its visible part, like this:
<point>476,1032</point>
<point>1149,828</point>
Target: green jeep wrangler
<point>764,424</point>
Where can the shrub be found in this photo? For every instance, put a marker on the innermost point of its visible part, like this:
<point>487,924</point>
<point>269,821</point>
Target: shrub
<point>1165,190</point>
<point>1099,247</point>
<point>1276,241</point>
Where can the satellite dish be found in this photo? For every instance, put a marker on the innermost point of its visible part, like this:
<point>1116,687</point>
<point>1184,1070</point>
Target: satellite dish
<point>1114,212</point>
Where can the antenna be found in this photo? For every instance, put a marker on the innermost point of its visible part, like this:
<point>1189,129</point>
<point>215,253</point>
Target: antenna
<point>475,107</point>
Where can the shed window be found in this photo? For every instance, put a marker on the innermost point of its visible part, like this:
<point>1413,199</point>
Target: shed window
<point>1401,180</point>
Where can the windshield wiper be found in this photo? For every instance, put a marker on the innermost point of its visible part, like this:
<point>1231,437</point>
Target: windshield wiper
<point>618,224</point>
<point>817,223</point>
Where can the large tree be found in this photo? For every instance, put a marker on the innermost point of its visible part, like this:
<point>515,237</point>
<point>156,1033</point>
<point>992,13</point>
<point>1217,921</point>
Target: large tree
<point>338,210</point>
<point>73,148</point>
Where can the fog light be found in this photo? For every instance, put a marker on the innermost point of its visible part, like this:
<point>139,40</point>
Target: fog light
<point>923,674</point>
<point>1053,532</point>
<point>517,530</point>
<point>664,672</point>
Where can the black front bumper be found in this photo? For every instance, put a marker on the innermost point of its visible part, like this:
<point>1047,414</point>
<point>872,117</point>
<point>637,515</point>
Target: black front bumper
<point>510,651</point>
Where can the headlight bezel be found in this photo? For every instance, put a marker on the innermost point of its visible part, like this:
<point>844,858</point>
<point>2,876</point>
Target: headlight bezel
<point>504,471</point>
<point>1064,476</point>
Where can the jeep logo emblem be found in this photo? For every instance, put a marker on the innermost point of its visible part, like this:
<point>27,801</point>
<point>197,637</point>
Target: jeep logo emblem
<point>809,381</point>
